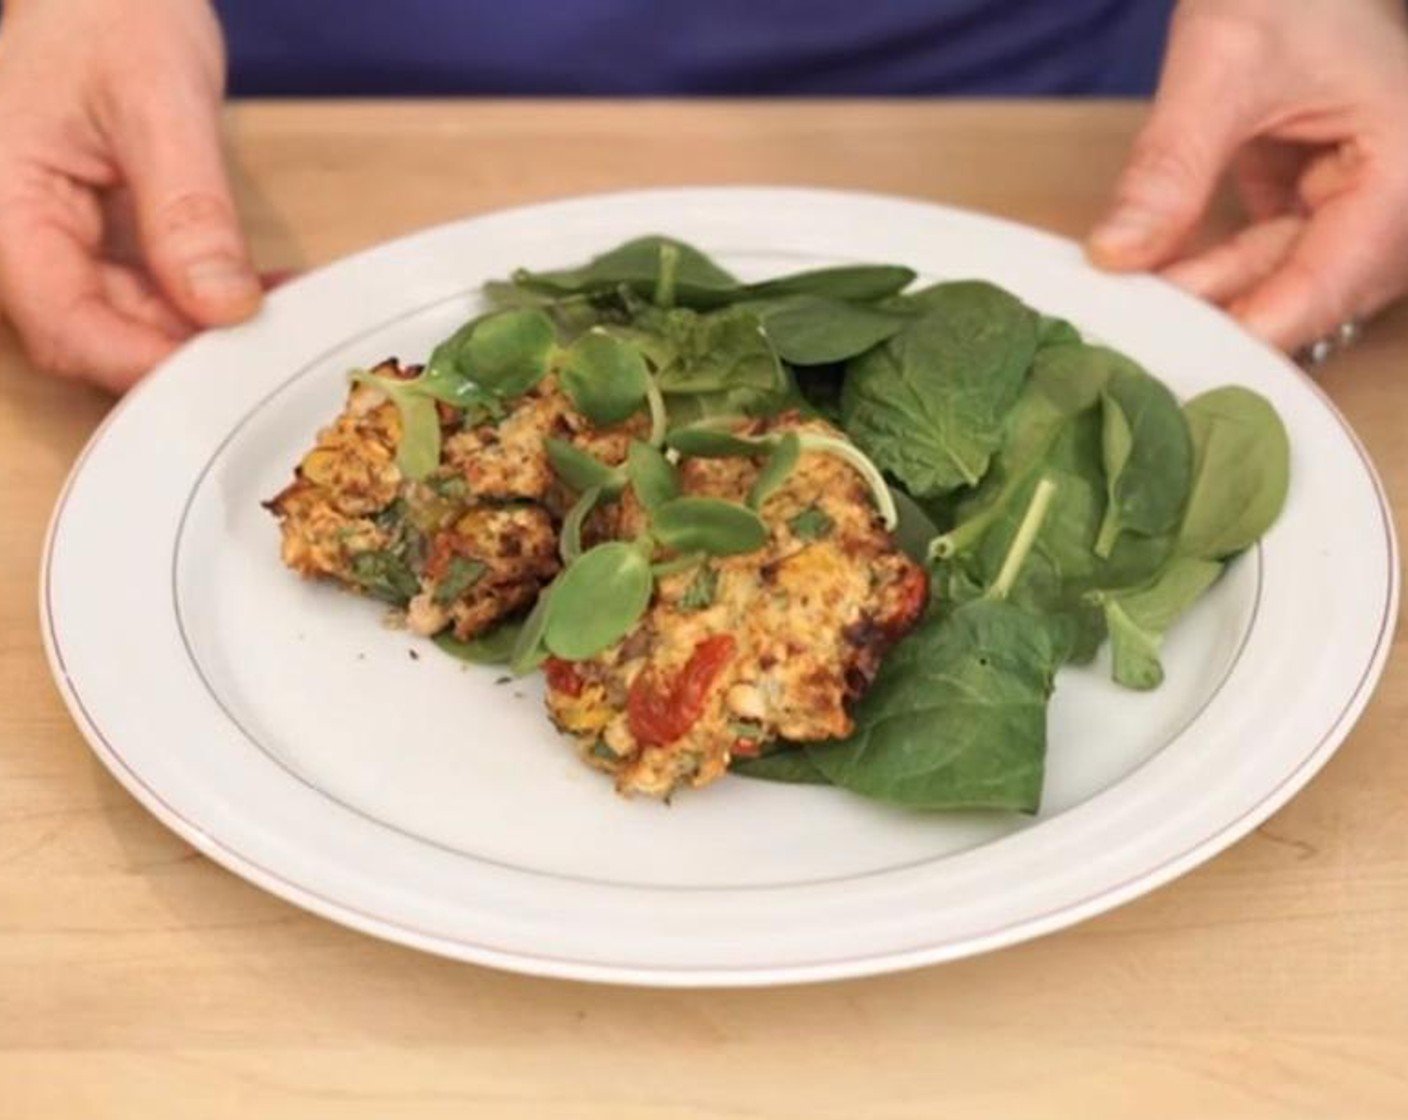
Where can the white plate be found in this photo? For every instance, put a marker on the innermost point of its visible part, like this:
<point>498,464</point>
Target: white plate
<point>279,728</point>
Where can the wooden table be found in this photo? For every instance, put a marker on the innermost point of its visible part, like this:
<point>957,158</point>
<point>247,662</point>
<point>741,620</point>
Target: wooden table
<point>137,979</point>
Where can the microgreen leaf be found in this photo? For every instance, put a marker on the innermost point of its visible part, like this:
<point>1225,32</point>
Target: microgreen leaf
<point>651,475</point>
<point>776,469</point>
<point>504,354</point>
<point>708,525</point>
<point>570,543</point>
<point>529,650</point>
<point>418,453</point>
<point>582,471</point>
<point>605,378</point>
<point>705,441</point>
<point>597,600</point>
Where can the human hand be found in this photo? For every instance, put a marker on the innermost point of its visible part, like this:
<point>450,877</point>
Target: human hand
<point>118,236</point>
<point>1305,103</point>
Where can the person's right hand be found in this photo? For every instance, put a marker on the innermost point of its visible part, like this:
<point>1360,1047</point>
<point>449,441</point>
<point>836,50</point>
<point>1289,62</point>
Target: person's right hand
<point>118,236</point>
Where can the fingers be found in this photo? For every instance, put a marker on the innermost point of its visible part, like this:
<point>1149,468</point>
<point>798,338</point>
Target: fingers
<point>53,292</point>
<point>1232,267</point>
<point>1200,116</point>
<point>187,223</point>
<point>1266,172</point>
<point>1331,276</point>
<point>136,297</point>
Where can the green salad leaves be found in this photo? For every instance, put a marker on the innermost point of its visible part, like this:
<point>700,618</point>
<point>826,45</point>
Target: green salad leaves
<point>1060,494</point>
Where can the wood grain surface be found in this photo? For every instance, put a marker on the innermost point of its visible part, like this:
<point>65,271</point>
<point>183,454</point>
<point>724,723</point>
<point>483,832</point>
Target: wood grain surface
<point>139,980</point>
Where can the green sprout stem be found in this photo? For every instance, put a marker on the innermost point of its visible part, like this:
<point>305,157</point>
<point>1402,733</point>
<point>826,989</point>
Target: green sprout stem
<point>1022,543</point>
<point>852,455</point>
<point>659,418</point>
<point>665,283</point>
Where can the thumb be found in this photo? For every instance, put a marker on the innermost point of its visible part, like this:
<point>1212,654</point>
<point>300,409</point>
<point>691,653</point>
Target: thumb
<point>186,219</point>
<point>1199,118</point>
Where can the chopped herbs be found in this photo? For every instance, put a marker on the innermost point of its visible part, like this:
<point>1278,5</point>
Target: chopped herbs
<point>812,524</point>
<point>702,590</point>
<point>462,574</point>
<point>385,576</point>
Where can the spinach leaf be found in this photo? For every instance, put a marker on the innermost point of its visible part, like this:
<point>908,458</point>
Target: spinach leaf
<point>792,764</point>
<point>1051,331</point>
<point>859,283</point>
<point>956,718</point>
<point>1062,565</point>
<point>1241,472</point>
<point>1057,429</point>
<point>1138,619</point>
<point>604,378</point>
<point>929,405</point>
<point>715,353</point>
<point>636,265</point>
<point>812,331</point>
<point>493,648</point>
<point>1147,455</point>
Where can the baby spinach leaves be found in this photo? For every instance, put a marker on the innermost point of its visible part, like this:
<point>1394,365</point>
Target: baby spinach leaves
<point>956,717</point>
<point>1059,491</point>
<point>862,283</point>
<point>697,281</point>
<point>1147,456</point>
<point>929,405</point>
<point>814,331</point>
<point>1241,472</point>
<point>1138,619</point>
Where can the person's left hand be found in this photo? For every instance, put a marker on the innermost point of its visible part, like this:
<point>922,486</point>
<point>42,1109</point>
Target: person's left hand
<point>1306,104</point>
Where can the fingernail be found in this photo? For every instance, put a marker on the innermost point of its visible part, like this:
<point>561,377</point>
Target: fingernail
<point>222,282</point>
<point>1126,229</point>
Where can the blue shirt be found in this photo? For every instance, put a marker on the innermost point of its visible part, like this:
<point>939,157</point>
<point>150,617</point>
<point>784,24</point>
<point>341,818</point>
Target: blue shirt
<point>717,47</point>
